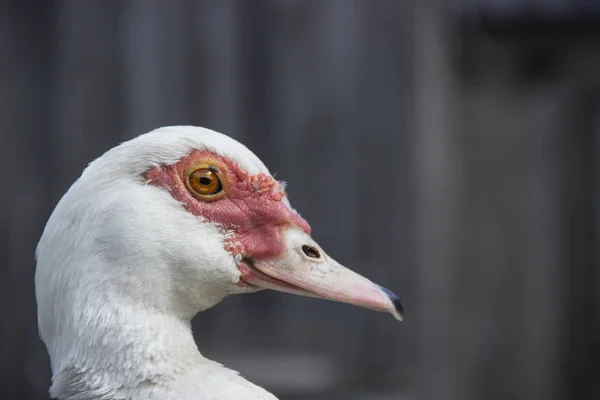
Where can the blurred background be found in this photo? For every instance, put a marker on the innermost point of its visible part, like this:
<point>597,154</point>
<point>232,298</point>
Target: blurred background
<point>449,150</point>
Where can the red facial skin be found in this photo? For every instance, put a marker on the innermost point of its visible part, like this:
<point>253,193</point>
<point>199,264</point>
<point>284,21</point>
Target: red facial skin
<point>249,208</point>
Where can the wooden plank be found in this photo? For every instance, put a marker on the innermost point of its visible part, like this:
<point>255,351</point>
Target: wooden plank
<point>439,193</point>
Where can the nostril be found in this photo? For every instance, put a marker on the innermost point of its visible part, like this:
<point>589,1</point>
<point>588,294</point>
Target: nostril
<point>311,251</point>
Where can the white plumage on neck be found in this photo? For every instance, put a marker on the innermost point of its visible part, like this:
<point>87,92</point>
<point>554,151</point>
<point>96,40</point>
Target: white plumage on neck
<point>118,280</point>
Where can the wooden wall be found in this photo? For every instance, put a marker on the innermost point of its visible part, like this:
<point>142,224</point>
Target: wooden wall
<point>478,210</point>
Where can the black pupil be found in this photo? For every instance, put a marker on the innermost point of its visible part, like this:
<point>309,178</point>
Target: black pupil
<point>205,181</point>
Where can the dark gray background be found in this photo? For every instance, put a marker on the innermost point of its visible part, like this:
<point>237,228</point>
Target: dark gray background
<point>448,150</point>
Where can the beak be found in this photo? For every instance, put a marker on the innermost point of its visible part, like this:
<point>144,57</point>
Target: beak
<point>306,270</point>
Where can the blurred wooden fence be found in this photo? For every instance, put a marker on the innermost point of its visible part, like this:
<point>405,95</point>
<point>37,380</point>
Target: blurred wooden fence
<point>478,210</point>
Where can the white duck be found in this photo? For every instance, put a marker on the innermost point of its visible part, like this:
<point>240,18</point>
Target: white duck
<point>154,231</point>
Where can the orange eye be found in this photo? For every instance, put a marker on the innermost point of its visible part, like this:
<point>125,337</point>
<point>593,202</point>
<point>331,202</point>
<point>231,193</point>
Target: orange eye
<point>205,182</point>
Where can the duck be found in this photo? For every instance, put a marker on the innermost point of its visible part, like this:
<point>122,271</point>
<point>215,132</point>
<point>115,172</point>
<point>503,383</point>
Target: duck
<point>154,231</point>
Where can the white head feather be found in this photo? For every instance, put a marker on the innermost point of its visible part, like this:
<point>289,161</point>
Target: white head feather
<point>117,273</point>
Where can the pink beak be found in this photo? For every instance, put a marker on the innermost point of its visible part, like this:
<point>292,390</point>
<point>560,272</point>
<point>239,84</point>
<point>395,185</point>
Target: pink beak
<point>306,270</point>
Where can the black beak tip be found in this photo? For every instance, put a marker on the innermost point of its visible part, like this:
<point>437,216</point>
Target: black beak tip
<point>395,300</point>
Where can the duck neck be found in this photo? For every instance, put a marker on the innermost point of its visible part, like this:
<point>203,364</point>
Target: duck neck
<point>112,348</point>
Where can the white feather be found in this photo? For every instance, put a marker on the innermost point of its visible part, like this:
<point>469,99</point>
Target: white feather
<point>121,270</point>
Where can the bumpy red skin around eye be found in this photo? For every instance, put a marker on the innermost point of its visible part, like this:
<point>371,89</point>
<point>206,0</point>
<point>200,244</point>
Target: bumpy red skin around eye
<point>251,209</point>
